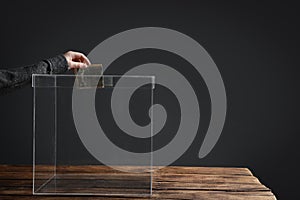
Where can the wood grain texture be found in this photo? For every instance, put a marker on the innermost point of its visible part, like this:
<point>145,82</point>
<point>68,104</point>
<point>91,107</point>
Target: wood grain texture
<point>173,182</point>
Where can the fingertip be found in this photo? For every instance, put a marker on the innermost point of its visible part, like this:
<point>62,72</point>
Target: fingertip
<point>86,60</point>
<point>83,65</point>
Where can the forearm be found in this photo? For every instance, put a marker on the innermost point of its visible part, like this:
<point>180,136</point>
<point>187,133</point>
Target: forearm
<point>17,77</point>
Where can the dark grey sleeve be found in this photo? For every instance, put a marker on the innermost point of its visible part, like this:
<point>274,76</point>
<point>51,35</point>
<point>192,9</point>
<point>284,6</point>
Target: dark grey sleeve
<point>17,77</point>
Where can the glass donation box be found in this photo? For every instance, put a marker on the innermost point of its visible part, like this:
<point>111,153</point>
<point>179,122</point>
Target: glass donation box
<point>92,135</point>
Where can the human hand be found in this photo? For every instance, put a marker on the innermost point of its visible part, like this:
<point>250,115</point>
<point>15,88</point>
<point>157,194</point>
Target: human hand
<point>76,60</point>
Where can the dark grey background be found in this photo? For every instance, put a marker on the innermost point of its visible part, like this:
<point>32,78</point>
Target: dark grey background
<point>254,44</point>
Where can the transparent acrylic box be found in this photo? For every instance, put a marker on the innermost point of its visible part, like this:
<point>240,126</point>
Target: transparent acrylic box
<point>84,142</point>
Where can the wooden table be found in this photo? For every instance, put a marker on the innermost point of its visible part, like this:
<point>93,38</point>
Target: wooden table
<point>173,182</point>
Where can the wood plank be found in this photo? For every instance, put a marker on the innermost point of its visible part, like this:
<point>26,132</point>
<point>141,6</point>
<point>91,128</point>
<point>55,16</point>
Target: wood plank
<point>179,194</point>
<point>38,197</point>
<point>174,182</point>
<point>105,169</point>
